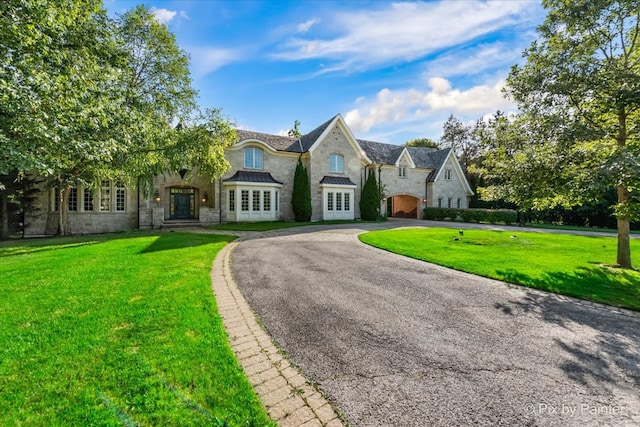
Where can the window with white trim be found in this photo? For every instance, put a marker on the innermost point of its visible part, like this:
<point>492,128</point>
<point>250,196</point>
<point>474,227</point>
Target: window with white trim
<point>347,202</point>
<point>447,174</point>
<point>329,201</point>
<point>73,199</point>
<point>88,200</point>
<point>439,202</point>
<point>336,163</point>
<point>253,158</point>
<point>338,201</point>
<point>277,200</point>
<point>266,201</point>
<point>105,196</point>
<point>244,200</point>
<point>402,171</point>
<point>255,195</point>
<point>232,200</point>
<point>121,197</point>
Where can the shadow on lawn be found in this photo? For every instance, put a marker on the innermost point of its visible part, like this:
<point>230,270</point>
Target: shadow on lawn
<point>617,340</point>
<point>171,241</point>
<point>610,286</point>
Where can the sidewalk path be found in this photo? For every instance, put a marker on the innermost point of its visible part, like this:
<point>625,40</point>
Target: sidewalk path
<point>289,399</point>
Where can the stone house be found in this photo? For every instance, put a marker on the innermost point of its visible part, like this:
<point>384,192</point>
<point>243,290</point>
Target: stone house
<point>259,185</point>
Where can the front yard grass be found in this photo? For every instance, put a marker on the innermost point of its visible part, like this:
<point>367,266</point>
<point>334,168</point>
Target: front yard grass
<point>117,330</point>
<point>565,264</point>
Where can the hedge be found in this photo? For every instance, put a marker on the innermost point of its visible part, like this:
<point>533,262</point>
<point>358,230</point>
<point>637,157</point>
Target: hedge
<point>492,216</point>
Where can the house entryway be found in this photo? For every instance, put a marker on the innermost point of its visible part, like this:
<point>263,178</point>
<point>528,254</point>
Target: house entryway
<point>402,206</point>
<point>182,203</point>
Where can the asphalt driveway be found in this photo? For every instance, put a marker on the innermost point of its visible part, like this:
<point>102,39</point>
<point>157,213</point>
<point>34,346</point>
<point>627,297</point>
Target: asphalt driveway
<point>398,342</point>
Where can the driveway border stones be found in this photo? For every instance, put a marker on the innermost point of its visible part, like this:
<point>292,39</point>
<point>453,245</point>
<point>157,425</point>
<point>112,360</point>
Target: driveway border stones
<point>286,394</point>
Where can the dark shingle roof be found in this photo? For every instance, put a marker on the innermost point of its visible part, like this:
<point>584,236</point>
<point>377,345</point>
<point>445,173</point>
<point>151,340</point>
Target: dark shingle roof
<point>277,142</point>
<point>428,158</point>
<point>377,152</point>
<point>246,176</point>
<point>336,180</point>
<point>308,139</point>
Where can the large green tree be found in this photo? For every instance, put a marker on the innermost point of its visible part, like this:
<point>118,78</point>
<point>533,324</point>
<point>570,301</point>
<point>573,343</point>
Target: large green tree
<point>461,138</point>
<point>579,94</point>
<point>86,97</point>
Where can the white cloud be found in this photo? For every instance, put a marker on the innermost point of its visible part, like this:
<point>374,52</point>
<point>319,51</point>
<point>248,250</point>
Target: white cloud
<point>413,105</point>
<point>205,60</point>
<point>405,31</point>
<point>303,27</point>
<point>475,60</point>
<point>164,16</point>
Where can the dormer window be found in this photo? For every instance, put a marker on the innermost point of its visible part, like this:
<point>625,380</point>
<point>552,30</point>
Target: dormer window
<point>253,158</point>
<point>336,163</point>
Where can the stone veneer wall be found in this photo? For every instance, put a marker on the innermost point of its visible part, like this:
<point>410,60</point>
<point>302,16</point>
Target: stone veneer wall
<point>281,165</point>
<point>43,220</point>
<point>449,188</point>
<point>335,143</point>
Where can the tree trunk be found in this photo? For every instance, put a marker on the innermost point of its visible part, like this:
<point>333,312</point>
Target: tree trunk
<point>63,210</point>
<point>4,215</point>
<point>624,248</point>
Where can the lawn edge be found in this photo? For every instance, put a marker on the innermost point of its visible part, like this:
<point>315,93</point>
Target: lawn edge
<point>562,297</point>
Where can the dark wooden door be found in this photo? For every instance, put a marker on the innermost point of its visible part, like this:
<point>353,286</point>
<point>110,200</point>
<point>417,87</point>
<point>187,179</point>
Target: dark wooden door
<point>182,206</point>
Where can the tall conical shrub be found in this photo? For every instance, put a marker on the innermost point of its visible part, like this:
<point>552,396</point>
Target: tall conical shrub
<point>369,202</point>
<point>301,197</point>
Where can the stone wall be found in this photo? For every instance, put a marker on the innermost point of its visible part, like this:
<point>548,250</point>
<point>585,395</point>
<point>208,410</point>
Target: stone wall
<point>336,142</point>
<point>281,166</point>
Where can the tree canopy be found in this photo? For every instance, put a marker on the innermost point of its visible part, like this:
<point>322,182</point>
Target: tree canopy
<point>86,97</point>
<point>422,142</point>
<point>579,94</point>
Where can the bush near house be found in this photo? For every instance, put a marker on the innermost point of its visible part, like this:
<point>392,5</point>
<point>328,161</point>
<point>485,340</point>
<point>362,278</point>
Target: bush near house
<point>492,216</point>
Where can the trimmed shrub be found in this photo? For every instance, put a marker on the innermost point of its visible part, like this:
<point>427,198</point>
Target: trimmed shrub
<point>301,197</point>
<point>491,216</point>
<point>369,200</point>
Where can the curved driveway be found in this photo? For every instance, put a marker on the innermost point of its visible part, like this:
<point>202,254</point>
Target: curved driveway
<point>398,342</point>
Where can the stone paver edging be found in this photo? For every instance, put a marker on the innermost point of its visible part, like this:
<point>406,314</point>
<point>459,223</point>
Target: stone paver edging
<point>284,391</point>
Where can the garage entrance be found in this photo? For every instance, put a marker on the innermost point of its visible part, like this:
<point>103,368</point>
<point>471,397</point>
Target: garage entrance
<point>402,206</point>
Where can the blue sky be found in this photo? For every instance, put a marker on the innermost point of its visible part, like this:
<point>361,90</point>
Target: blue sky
<point>394,70</point>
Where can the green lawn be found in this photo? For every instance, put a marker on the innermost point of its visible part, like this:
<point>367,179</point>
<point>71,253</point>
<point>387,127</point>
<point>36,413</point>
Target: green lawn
<point>576,228</point>
<point>565,264</point>
<point>117,330</point>
<point>273,225</point>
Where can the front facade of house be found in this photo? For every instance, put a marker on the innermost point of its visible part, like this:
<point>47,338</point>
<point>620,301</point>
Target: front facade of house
<point>259,185</point>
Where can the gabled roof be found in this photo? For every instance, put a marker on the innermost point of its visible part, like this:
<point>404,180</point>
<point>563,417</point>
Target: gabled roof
<point>376,152</point>
<point>381,153</point>
<point>428,158</point>
<point>256,177</point>
<point>310,138</point>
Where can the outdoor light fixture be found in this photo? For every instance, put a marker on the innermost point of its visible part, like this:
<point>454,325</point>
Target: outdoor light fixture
<point>156,196</point>
<point>205,197</point>
<point>182,172</point>
<point>384,199</point>
<point>424,200</point>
